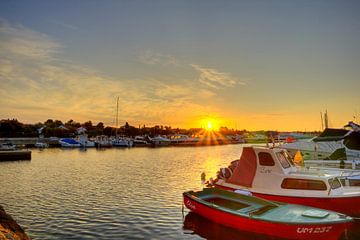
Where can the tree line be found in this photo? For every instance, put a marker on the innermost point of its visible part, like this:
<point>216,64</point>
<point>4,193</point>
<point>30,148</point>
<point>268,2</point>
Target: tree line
<point>57,128</point>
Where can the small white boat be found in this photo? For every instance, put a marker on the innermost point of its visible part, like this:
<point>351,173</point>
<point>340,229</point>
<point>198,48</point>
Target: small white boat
<point>160,141</point>
<point>7,146</point>
<point>103,142</point>
<point>122,142</point>
<point>183,140</point>
<point>41,145</point>
<point>140,141</point>
<point>328,142</point>
<point>84,141</point>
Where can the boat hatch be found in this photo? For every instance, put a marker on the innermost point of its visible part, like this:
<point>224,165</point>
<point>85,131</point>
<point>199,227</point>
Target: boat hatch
<point>315,213</point>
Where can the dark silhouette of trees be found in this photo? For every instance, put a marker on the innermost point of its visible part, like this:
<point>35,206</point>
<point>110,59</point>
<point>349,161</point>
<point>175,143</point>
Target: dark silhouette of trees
<point>11,128</point>
<point>56,128</point>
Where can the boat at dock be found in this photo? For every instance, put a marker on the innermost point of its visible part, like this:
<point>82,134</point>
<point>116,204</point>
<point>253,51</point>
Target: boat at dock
<point>103,142</point>
<point>270,173</point>
<point>69,143</point>
<point>41,143</point>
<point>7,146</point>
<point>335,144</point>
<point>122,142</point>
<point>84,141</point>
<point>141,141</point>
<point>257,215</point>
<point>183,140</point>
<point>160,141</point>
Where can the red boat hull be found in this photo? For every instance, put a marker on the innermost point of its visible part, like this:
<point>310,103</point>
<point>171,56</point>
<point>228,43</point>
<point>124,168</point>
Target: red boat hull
<point>346,205</point>
<point>282,230</point>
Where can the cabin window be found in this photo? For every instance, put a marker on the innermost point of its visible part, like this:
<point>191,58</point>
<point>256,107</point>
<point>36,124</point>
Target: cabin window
<point>265,159</point>
<point>303,184</point>
<point>288,157</point>
<point>334,183</point>
<point>283,160</point>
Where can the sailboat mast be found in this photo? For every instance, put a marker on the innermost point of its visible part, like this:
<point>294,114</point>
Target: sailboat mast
<point>326,119</point>
<point>117,112</point>
<point>322,122</point>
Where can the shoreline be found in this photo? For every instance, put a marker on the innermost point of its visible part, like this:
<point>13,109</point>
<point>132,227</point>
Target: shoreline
<point>10,229</point>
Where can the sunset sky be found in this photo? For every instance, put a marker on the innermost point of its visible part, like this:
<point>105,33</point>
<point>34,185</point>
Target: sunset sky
<point>245,64</point>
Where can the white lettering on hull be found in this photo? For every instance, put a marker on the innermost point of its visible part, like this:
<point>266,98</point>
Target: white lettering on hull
<point>190,205</point>
<point>305,230</point>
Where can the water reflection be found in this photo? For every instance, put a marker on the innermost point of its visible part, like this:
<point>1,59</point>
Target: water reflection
<point>353,232</point>
<point>195,224</point>
<point>115,193</point>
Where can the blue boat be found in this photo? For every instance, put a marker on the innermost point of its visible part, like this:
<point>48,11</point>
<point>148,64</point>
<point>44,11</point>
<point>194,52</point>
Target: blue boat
<point>69,143</point>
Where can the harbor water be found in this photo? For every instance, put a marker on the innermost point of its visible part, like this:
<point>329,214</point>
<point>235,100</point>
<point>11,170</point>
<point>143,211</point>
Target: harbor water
<point>116,193</point>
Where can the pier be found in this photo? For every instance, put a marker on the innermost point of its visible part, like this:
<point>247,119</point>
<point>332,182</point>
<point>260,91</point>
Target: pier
<point>30,141</point>
<point>13,155</point>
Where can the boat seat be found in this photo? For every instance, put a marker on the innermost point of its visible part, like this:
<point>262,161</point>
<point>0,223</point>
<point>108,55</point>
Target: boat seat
<point>262,210</point>
<point>249,209</point>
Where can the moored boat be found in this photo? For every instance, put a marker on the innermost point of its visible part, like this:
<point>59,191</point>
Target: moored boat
<point>7,146</point>
<point>103,142</point>
<point>336,144</point>
<point>257,215</point>
<point>141,141</point>
<point>69,143</point>
<point>122,142</point>
<point>39,144</point>
<point>160,141</point>
<point>270,174</point>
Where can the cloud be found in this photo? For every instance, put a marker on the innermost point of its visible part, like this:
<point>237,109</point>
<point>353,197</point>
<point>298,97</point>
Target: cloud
<point>154,58</point>
<point>18,41</point>
<point>65,25</point>
<point>214,78</point>
<point>37,84</point>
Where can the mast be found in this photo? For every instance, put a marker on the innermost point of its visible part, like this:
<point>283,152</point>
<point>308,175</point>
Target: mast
<point>117,111</point>
<point>322,123</point>
<point>326,120</point>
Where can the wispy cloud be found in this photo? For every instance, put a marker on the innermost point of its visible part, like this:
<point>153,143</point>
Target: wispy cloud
<point>65,25</point>
<point>214,78</point>
<point>37,84</point>
<point>153,58</point>
<point>19,41</point>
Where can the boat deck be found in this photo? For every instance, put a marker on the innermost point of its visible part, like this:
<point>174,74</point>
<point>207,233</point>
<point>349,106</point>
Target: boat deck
<point>297,213</point>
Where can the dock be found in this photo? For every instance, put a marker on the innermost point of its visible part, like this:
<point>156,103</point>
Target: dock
<point>13,155</point>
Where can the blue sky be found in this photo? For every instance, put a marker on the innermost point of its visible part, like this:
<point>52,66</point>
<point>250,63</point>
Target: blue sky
<point>247,64</point>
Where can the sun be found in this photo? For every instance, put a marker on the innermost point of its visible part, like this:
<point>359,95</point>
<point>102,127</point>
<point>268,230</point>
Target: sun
<point>209,126</point>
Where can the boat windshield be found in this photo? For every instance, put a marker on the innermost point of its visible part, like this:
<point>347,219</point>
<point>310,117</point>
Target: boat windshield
<point>285,159</point>
<point>334,183</point>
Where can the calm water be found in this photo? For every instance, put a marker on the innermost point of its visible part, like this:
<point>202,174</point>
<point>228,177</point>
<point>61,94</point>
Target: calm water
<point>114,193</point>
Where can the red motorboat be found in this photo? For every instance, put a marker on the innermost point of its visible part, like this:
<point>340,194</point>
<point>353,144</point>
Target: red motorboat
<point>270,173</point>
<point>260,216</point>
